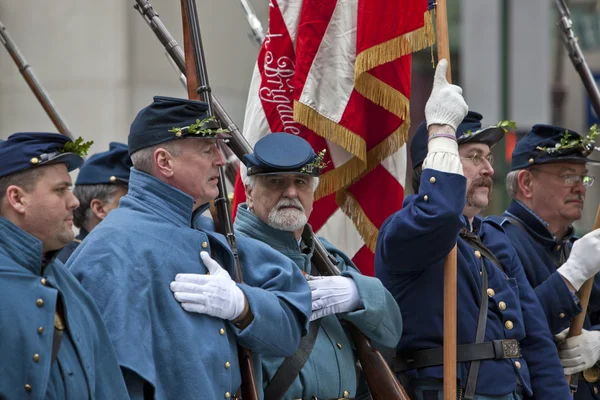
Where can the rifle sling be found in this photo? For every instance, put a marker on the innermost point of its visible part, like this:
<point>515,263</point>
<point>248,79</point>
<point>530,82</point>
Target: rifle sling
<point>291,366</point>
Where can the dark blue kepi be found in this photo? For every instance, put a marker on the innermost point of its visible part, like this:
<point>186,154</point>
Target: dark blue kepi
<point>547,143</point>
<point>27,150</point>
<point>107,167</point>
<point>283,153</point>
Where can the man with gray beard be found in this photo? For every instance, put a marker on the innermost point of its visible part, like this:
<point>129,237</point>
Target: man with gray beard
<point>280,180</point>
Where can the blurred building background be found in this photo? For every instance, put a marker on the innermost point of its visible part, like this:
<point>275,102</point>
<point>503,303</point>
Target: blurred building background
<point>100,63</point>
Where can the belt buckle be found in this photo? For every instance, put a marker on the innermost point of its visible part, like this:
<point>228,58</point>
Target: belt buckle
<point>591,374</point>
<point>511,348</point>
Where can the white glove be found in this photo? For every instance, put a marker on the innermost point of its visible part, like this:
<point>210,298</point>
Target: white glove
<point>332,295</point>
<point>579,352</point>
<point>561,336</point>
<point>584,260</point>
<point>215,294</point>
<point>445,106</point>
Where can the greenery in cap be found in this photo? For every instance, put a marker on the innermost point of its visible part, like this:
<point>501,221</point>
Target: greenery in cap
<point>569,142</point>
<point>197,128</point>
<point>78,146</point>
<point>505,125</point>
<point>316,163</point>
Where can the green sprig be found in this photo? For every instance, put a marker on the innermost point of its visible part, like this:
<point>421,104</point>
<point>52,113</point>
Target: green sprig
<point>78,146</point>
<point>316,163</point>
<point>584,143</point>
<point>196,129</point>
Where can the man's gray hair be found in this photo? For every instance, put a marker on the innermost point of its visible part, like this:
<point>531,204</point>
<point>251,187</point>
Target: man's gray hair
<point>250,181</point>
<point>512,183</point>
<point>144,158</point>
<point>85,194</point>
<point>24,179</point>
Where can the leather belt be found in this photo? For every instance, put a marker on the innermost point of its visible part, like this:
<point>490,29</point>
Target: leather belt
<point>494,350</point>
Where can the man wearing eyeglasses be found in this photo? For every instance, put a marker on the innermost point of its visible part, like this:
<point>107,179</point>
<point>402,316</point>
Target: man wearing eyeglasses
<point>547,183</point>
<point>505,348</point>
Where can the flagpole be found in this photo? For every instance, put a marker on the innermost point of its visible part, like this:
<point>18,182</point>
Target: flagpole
<point>584,299</point>
<point>450,273</point>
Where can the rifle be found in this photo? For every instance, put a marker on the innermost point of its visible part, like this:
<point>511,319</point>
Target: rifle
<point>32,81</point>
<point>198,82</point>
<point>238,144</point>
<point>258,35</point>
<point>380,378</point>
<point>576,55</point>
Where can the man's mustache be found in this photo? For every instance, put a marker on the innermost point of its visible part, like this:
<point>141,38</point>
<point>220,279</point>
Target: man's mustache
<point>483,181</point>
<point>286,202</point>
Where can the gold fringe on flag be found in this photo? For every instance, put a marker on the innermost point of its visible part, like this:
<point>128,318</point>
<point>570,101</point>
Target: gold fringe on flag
<point>367,230</point>
<point>396,47</point>
<point>354,169</point>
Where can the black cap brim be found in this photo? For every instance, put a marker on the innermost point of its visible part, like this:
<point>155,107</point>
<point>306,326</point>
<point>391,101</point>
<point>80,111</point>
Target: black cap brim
<point>72,160</point>
<point>489,136</point>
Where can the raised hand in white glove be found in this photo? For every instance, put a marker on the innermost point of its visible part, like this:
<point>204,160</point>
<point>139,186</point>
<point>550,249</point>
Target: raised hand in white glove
<point>584,260</point>
<point>579,352</point>
<point>333,295</point>
<point>446,105</point>
<point>215,294</point>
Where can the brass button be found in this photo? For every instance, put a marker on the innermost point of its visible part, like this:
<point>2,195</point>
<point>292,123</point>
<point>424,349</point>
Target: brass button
<point>518,365</point>
<point>227,364</point>
<point>425,197</point>
<point>178,134</point>
<point>561,315</point>
<point>346,394</point>
<point>502,305</point>
<point>221,331</point>
<point>34,160</point>
<point>39,302</point>
<point>227,395</point>
<point>339,345</point>
<point>558,247</point>
<point>44,281</point>
<point>509,325</point>
<point>40,330</point>
<point>477,254</point>
<point>113,178</point>
<point>531,160</point>
<point>36,357</point>
<point>595,390</point>
<point>432,179</point>
<point>28,387</point>
<point>491,292</point>
<point>204,245</point>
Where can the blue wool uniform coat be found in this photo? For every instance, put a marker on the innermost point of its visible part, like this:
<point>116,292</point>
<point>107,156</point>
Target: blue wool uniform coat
<point>330,371</point>
<point>86,366</point>
<point>409,261</point>
<point>540,253</point>
<point>127,263</point>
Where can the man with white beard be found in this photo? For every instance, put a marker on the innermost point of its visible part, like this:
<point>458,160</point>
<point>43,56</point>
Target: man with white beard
<point>280,180</point>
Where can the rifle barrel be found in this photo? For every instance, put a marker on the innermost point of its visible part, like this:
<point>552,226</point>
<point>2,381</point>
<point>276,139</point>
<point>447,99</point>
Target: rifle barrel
<point>32,81</point>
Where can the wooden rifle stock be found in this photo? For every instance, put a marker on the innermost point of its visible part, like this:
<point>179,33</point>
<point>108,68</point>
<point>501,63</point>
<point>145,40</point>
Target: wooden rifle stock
<point>380,378</point>
<point>33,83</point>
<point>199,89</point>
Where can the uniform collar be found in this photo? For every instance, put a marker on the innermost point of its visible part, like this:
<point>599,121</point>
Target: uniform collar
<point>250,225</point>
<point>161,198</point>
<point>474,227</point>
<point>82,234</point>
<point>535,225</point>
<point>23,248</point>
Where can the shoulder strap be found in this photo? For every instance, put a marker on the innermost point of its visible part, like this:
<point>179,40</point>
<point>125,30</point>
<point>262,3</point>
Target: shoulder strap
<point>291,366</point>
<point>475,242</point>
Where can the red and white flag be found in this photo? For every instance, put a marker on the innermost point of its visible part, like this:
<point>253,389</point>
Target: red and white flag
<point>337,73</point>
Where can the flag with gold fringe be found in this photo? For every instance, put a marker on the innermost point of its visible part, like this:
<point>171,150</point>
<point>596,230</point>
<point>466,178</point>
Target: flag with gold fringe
<point>338,73</point>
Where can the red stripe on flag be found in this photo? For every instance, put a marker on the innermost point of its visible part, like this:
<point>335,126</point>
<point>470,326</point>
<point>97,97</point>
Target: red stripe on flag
<point>365,261</point>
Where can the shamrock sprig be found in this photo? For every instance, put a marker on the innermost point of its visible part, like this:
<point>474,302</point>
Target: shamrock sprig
<point>78,146</point>
<point>316,163</point>
<point>575,142</point>
<point>197,128</point>
<point>505,125</point>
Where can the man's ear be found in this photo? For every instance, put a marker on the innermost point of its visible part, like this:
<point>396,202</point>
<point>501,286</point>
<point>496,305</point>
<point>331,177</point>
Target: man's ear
<point>525,183</point>
<point>17,199</point>
<point>249,200</point>
<point>98,208</point>
<point>163,162</point>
